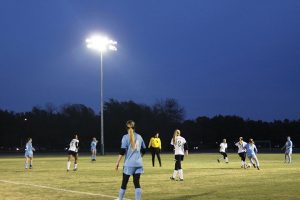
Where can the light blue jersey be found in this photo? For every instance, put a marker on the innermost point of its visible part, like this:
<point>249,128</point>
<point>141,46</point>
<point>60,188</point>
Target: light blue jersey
<point>29,150</point>
<point>288,146</point>
<point>251,149</point>
<point>94,145</point>
<point>133,157</point>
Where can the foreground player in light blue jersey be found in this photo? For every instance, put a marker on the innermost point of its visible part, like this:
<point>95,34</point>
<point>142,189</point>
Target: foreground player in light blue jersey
<point>133,147</point>
<point>288,146</point>
<point>29,153</point>
<point>251,153</point>
<point>94,149</point>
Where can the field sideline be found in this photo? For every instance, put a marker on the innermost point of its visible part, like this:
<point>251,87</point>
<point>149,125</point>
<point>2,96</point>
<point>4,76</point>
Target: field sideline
<point>204,179</point>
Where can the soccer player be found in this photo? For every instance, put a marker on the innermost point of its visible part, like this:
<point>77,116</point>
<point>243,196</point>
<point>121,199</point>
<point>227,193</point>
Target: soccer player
<point>73,152</point>
<point>223,147</point>
<point>29,153</point>
<point>180,147</point>
<point>133,147</point>
<point>94,149</point>
<point>242,152</point>
<point>251,153</point>
<point>155,146</point>
<point>288,146</point>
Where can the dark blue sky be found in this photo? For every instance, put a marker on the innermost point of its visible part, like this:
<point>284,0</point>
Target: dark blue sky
<point>214,56</point>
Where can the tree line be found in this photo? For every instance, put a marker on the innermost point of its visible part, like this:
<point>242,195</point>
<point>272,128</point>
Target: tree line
<point>52,128</point>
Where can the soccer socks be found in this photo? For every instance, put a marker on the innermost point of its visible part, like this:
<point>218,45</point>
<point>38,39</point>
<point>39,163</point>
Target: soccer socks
<point>68,165</point>
<point>26,165</point>
<point>138,193</point>
<point>75,166</point>
<point>226,159</point>
<point>175,173</point>
<point>121,194</point>
<point>180,174</point>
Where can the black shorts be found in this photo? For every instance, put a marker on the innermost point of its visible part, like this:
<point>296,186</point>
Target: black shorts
<point>73,153</point>
<point>179,157</point>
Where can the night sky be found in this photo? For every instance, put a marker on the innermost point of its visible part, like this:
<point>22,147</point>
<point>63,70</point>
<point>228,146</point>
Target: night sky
<point>215,57</point>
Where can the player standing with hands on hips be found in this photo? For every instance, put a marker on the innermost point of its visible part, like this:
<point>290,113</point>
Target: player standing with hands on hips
<point>180,147</point>
<point>73,152</point>
<point>133,147</point>
<point>155,147</point>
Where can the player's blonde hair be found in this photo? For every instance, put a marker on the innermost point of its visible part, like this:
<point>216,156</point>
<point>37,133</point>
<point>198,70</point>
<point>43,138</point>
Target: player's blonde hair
<point>176,133</point>
<point>130,128</point>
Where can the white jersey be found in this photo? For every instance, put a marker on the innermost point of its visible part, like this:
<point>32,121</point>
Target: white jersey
<point>241,147</point>
<point>74,145</point>
<point>223,147</point>
<point>179,145</point>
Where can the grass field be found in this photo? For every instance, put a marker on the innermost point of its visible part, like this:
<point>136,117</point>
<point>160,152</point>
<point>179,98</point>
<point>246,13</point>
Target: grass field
<point>204,179</point>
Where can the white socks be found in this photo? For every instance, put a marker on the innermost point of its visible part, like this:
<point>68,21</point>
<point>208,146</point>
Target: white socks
<point>68,165</point>
<point>175,173</point>
<point>180,174</point>
<point>75,166</point>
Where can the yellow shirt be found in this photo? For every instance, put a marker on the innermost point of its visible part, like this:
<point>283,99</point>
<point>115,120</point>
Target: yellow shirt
<point>155,143</point>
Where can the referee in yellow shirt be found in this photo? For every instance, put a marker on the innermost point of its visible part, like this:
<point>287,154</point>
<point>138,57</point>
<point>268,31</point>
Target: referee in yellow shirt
<point>155,146</point>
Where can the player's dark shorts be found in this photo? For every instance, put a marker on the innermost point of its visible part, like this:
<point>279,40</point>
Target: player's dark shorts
<point>242,156</point>
<point>223,154</point>
<point>179,157</point>
<point>73,153</point>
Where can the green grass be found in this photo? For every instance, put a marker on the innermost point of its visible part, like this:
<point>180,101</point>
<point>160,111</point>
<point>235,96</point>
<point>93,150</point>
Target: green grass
<point>204,179</point>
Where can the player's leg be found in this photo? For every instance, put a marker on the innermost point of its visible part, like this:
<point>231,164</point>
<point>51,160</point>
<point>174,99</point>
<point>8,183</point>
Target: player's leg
<point>123,186</point>
<point>244,160</point>
<point>30,162</point>
<point>173,177</point>
<point>158,156</point>
<point>225,157</point>
<point>180,170</point>
<point>153,156</point>
<point>69,162</point>
<point>256,161</point>
<point>26,162</point>
<point>136,182</point>
<point>76,160</point>
<point>290,157</point>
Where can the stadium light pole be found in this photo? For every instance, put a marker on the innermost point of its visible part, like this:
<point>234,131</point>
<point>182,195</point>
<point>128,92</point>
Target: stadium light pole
<point>101,44</point>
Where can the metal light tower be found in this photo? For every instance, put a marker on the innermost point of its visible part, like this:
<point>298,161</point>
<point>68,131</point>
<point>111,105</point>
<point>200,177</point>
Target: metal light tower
<point>101,44</point>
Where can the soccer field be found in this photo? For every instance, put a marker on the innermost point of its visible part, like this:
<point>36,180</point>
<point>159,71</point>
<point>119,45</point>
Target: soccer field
<point>204,179</point>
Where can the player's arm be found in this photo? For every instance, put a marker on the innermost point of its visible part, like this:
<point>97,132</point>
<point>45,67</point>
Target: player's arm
<point>186,148</point>
<point>143,148</point>
<point>121,154</point>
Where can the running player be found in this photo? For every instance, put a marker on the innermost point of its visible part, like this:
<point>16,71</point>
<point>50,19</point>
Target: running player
<point>73,152</point>
<point>155,146</point>
<point>133,147</point>
<point>251,153</point>
<point>223,147</point>
<point>94,149</point>
<point>242,152</point>
<point>180,147</point>
<point>288,146</point>
<point>29,153</point>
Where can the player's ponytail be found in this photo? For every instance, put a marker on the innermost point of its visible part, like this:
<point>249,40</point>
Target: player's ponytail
<point>176,133</point>
<point>130,128</point>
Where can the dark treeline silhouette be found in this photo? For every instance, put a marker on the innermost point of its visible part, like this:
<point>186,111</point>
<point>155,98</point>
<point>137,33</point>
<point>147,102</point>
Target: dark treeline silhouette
<point>52,129</point>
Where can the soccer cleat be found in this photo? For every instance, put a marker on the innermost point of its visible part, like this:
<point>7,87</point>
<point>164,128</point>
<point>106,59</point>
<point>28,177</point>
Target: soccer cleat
<point>180,179</point>
<point>75,169</point>
<point>218,160</point>
<point>30,167</point>
<point>254,165</point>
<point>258,168</point>
<point>173,179</point>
